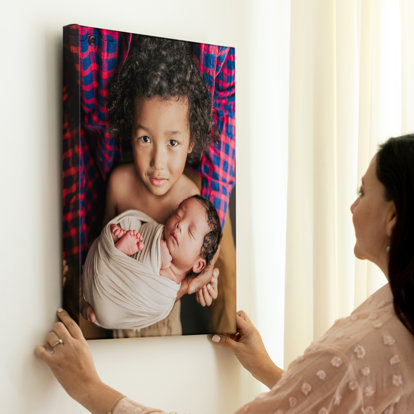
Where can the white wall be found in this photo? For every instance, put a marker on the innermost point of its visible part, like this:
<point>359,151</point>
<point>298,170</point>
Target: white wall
<point>185,374</point>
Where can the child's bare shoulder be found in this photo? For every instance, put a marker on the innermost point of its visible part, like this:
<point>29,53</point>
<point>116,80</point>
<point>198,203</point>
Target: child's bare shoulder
<point>123,171</point>
<point>186,187</point>
<point>122,177</point>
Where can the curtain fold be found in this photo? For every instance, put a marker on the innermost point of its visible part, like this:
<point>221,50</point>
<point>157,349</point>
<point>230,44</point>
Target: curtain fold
<point>351,87</point>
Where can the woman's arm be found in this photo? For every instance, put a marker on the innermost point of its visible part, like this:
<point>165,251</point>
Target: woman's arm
<point>249,349</point>
<point>72,364</point>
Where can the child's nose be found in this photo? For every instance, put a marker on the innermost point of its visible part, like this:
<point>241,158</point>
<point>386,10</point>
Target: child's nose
<point>158,158</point>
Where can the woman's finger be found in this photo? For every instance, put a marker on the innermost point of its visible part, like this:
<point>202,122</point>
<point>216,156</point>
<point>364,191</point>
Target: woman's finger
<point>52,339</point>
<point>43,354</point>
<point>71,326</point>
<point>226,341</point>
<point>244,324</point>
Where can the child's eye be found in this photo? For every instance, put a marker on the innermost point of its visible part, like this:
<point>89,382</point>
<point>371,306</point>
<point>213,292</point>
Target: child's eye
<point>173,142</point>
<point>145,139</point>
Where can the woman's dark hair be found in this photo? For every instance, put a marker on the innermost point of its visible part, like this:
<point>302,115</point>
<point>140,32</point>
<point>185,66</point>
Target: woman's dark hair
<point>395,170</point>
<point>165,68</point>
<point>212,238</point>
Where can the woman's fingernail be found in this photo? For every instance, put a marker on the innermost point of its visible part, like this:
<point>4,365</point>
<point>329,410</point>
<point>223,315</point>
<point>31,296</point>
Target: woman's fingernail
<point>216,339</point>
<point>59,310</point>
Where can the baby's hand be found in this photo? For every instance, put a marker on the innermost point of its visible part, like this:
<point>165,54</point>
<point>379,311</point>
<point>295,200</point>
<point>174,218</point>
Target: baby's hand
<point>165,255</point>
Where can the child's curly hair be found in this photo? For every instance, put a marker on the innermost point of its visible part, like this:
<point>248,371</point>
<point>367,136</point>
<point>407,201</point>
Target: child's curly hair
<point>162,67</point>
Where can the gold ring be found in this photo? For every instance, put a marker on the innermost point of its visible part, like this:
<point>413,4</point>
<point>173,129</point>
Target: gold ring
<point>59,341</point>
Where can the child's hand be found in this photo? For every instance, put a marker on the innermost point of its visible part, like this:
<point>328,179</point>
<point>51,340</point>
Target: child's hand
<point>65,271</point>
<point>205,276</point>
<point>209,292</point>
<point>87,311</point>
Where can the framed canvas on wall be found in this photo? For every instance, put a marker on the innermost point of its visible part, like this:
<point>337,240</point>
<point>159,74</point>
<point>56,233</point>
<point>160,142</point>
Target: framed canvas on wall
<point>148,182</point>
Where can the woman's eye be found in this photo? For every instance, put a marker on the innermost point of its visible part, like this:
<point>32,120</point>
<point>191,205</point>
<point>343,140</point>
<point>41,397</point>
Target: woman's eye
<point>173,142</point>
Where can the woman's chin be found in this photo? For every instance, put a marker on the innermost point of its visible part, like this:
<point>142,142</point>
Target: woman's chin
<point>358,253</point>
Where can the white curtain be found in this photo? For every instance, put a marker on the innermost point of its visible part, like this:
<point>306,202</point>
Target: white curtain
<point>330,80</point>
<point>351,87</point>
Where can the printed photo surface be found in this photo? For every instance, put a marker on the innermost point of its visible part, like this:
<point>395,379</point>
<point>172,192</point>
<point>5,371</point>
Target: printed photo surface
<point>148,169</point>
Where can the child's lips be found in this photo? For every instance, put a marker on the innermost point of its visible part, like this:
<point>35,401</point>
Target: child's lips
<point>158,181</point>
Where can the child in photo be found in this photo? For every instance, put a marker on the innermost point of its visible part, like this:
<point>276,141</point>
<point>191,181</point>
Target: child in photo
<point>161,105</point>
<point>133,271</point>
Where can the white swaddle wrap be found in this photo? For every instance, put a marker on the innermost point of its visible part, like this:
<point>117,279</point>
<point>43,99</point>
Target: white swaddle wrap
<point>128,292</point>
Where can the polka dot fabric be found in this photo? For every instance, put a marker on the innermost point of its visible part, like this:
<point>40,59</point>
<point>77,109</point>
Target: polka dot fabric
<point>364,364</point>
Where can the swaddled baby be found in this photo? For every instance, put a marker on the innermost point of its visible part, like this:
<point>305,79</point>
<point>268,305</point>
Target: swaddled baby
<point>134,269</point>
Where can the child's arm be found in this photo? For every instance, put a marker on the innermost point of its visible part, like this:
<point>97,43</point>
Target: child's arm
<point>118,189</point>
<point>110,203</point>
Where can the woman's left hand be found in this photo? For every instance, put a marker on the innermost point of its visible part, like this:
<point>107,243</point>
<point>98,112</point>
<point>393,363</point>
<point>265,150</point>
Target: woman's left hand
<point>248,347</point>
<point>70,359</point>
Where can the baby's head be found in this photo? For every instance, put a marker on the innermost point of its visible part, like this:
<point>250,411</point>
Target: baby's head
<point>193,234</point>
<point>162,68</point>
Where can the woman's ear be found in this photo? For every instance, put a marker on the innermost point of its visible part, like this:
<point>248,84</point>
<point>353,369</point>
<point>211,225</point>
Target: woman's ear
<point>199,265</point>
<point>391,220</point>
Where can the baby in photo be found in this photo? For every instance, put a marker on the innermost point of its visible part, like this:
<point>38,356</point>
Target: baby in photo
<point>134,269</point>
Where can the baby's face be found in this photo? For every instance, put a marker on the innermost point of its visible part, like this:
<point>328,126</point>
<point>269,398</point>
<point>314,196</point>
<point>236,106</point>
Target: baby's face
<point>184,234</point>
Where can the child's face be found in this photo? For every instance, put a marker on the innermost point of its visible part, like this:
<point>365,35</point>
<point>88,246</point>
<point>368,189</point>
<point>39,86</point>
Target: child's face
<point>160,142</point>
<point>184,234</point>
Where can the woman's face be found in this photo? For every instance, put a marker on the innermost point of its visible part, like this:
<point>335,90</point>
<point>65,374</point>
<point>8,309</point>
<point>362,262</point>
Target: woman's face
<point>374,218</point>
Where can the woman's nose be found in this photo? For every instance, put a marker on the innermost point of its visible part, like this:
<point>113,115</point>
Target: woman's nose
<point>353,205</point>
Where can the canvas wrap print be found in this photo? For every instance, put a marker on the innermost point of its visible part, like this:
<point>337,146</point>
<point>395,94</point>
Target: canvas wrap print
<point>148,184</point>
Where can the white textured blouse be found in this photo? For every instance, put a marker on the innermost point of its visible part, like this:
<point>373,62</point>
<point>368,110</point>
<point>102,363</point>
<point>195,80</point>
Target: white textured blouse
<point>363,364</point>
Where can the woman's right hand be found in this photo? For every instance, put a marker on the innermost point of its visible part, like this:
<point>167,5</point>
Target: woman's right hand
<point>70,359</point>
<point>248,347</point>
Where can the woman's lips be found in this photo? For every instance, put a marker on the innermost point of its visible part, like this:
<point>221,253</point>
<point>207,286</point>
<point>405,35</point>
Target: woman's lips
<point>157,181</point>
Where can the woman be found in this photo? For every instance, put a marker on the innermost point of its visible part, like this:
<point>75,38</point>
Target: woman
<point>363,364</point>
